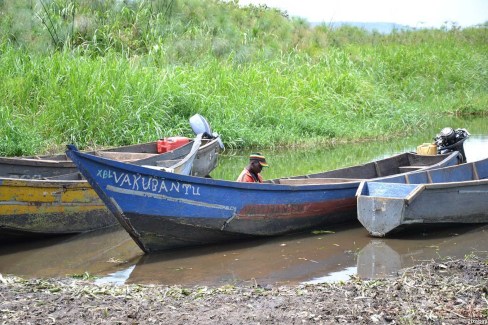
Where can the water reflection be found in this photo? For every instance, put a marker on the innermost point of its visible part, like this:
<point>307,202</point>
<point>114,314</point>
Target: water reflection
<point>343,275</point>
<point>280,260</point>
<point>476,147</point>
<point>384,257</point>
<point>119,277</point>
<point>331,254</point>
<point>97,253</point>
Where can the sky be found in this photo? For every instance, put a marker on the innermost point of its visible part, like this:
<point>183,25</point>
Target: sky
<point>414,13</point>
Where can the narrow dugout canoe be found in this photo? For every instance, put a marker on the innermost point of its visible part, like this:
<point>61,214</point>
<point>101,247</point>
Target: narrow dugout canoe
<point>164,154</point>
<point>146,153</point>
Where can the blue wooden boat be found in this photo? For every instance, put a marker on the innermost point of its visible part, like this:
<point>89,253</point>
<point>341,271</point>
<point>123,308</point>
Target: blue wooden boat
<point>456,194</point>
<point>163,210</point>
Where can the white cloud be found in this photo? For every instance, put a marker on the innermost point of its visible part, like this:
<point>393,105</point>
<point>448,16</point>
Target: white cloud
<point>408,12</point>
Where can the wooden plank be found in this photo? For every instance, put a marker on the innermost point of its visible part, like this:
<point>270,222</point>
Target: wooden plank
<point>404,169</point>
<point>124,156</point>
<point>317,181</point>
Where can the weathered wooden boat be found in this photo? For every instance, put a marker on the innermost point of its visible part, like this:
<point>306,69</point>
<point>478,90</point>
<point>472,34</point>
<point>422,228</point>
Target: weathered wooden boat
<point>39,167</point>
<point>66,204</point>
<point>456,194</point>
<point>36,208</point>
<point>146,153</point>
<point>162,210</point>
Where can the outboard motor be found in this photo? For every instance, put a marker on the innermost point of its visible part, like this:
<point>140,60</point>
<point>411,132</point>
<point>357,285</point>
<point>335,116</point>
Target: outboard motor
<point>199,124</point>
<point>449,140</point>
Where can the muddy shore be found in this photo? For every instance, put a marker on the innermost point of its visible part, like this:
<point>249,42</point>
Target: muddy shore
<point>453,292</point>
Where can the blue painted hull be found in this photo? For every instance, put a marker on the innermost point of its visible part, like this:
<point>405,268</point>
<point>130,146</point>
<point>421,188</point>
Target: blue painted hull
<point>456,194</point>
<point>163,210</point>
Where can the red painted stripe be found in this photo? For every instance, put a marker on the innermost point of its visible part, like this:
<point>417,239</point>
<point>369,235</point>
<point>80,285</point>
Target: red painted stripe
<point>295,211</point>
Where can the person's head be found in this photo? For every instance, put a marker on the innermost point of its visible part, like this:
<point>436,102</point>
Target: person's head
<point>256,162</point>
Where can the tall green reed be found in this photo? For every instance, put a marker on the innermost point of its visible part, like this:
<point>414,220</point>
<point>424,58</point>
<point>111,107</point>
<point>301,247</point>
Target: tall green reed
<point>137,72</point>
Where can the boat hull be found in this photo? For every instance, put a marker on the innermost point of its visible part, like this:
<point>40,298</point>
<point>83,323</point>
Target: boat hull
<point>33,208</point>
<point>457,194</point>
<point>167,232</point>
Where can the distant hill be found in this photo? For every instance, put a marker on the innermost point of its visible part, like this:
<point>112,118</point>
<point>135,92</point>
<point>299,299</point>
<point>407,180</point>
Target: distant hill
<point>383,28</point>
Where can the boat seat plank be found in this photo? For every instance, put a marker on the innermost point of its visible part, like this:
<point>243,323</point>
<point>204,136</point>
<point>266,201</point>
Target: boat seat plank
<point>166,163</point>
<point>33,161</point>
<point>317,181</point>
<point>124,156</point>
<point>390,190</point>
<point>410,168</point>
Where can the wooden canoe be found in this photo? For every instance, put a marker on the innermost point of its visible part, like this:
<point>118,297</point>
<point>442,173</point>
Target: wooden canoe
<point>35,208</point>
<point>456,194</point>
<point>39,167</point>
<point>163,211</point>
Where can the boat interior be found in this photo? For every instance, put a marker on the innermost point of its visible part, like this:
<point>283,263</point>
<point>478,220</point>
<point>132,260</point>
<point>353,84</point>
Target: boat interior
<point>399,164</point>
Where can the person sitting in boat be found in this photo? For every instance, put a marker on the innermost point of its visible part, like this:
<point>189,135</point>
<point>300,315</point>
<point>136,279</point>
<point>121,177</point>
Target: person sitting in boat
<point>251,172</point>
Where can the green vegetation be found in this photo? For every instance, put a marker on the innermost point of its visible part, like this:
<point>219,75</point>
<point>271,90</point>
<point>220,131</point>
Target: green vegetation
<point>100,73</point>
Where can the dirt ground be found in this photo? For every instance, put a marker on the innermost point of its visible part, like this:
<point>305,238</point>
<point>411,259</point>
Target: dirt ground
<point>454,292</point>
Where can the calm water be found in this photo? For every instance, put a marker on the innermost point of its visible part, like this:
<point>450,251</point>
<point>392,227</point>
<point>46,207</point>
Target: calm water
<point>334,254</point>
<point>288,162</point>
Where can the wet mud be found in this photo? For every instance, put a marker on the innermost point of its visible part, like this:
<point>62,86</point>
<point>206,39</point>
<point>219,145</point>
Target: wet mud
<point>453,292</point>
